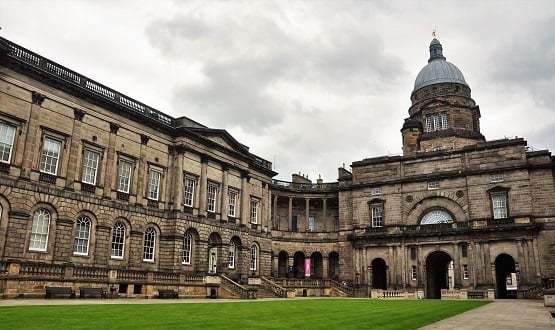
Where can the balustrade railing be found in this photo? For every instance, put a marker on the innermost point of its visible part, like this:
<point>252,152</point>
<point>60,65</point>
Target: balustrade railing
<point>41,270</point>
<point>330,186</point>
<point>274,287</point>
<point>90,273</point>
<point>242,291</point>
<point>132,275</point>
<point>344,287</point>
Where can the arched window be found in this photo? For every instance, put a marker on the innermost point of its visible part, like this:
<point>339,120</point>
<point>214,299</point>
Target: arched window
<point>436,216</point>
<point>149,244</point>
<point>39,230</point>
<point>231,258</point>
<point>187,249</point>
<point>118,240</point>
<point>254,257</point>
<point>82,235</point>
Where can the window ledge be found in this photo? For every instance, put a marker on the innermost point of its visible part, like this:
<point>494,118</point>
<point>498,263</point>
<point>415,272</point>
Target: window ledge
<point>47,177</point>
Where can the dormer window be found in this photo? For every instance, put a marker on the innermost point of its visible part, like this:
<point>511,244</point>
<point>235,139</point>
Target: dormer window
<point>437,122</point>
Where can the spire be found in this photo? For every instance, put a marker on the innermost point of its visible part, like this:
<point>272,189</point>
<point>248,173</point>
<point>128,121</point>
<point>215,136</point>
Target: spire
<point>436,51</point>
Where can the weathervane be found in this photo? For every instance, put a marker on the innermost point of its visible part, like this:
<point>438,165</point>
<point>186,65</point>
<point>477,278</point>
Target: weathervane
<point>434,33</point>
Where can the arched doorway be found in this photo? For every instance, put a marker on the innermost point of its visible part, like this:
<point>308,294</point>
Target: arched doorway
<point>317,265</point>
<point>505,277</point>
<point>214,243</point>
<point>438,272</point>
<point>283,258</point>
<point>333,265</point>
<point>379,274</point>
<point>298,265</point>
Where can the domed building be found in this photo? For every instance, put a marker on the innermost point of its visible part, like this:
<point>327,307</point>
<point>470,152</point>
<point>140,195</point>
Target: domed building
<point>101,194</point>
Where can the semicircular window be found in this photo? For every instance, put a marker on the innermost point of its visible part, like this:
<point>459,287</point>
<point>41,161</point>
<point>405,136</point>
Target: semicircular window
<point>436,216</point>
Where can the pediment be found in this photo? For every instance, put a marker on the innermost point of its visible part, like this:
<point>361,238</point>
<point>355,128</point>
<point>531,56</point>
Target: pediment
<point>222,138</point>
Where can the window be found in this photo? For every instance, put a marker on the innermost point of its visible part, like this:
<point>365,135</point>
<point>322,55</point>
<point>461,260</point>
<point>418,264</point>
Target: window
<point>125,168</point>
<point>437,122</point>
<point>412,253</point>
<point>7,135</point>
<point>90,166</point>
<point>189,191</point>
<point>186,249</point>
<point>377,215</point>
<point>465,272</point>
<point>211,194</point>
<point>464,250</point>
<point>499,203</point>
<point>496,177</point>
<point>435,217</point>
<point>433,185</point>
<point>39,230</point>
<point>254,257</point>
<point>118,240</point>
<point>376,191</point>
<point>232,198</point>
<point>50,156</point>
<point>413,273</point>
<point>231,255</point>
<point>311,223</point>
<point>294,223</point>
<point>82,235</point>
<point>254,211</point>
<point>154,176</point>
<point>149,244</point>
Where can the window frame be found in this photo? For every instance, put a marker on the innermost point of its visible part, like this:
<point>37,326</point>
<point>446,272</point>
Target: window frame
<point>494,208</point>
<point>98,153</point>
<point>112,255</point>
<point>437,121</point>
<point>160,172</point>
<point>496,177</point>
<point>212,189</point>
<point>253,266</point>
<point>46,235</point>
<point>51,138</point>
<point>231,255</point>
<point>232,206</point>
<point>433,185</point>
<point>149,230</point>
<point>131,163</point>
<point>15,128</point>
<point>189,178</point>
<point>376,191</point>
<point>254,210</point>
<point>188,237</point>
<point>311,220</point>
<point>414,273</point>
<point>76,238</point>
<point>466,272</point>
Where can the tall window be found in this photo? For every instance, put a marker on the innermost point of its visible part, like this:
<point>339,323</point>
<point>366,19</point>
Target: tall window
<point>231,255</point>
<point>311,223</point>
<point>254,257</point>
<point>7,135</point>
<point>125,168</point>
<point>211,193</point>
<point>82,236</point>
<point>154,176</point>
<point>377,215</point>
<point>254,211</point>
<point>39,230</point>
<point>466,274</point>
<point>186,249</point>
<point>464,250</point>
<point>232,200</point>
<point>189,191</point>
<point>149,244</point>
<point>413,273</point>
<point>499,203</point>
<point>437,122</point>
<point>118,240</point>
<point>90,166</point>
<point>50,156</point>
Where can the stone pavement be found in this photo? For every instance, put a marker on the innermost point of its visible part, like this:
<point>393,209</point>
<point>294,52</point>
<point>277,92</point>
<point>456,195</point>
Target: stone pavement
<point>501,314</point>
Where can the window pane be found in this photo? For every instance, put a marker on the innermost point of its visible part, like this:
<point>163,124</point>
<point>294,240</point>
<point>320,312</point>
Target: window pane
<point>149,244</point>
<point>124,175</point>
<point>186,249</point>
<point>153,184</point>
<point>435,217</point>
<point>254,257</point>
<point>39,230</point>
<point>311,223</point>
<point>377,215</point>
<point>189,192</point>
<point>231,255</point>
<point>82,234</point>
<point>499,202</point>
<point>50,156</point>
<point>254,211</point>
<point>118,240</point>
<point>90,166</point>
<point>7,135</point>
<point>211,198</point>
<point>232,204</point>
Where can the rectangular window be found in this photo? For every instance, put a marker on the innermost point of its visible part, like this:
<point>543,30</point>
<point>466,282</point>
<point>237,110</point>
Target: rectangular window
<point>90,166</point>
<point>154,176</point>
<point>254,211</point>
<point>376,191</point>
<point>437,122</point>
<point>377,215</point>
<point>189,191</point>
<point>50,156</point>
<point>125,168</point>
<point>211,194</point>
<point>465,272</point>
<point>499,203</point>
<point>294,223</point>
<point>311,223</point>
<point>232,200</point>
<point>413,253</point>
<point>497,177</point>
<point>433,185</point>
<point>7,136</point>
<point>413,273</point>
<point>464,250</point>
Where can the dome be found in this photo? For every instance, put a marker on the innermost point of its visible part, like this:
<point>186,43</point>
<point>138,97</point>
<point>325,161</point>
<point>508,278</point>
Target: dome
<point>438,70</point>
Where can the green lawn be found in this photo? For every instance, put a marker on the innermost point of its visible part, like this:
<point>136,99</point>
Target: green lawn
<point>296,314</point>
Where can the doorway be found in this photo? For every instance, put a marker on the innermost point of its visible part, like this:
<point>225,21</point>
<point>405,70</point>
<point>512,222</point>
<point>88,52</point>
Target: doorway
<point>438,271</point>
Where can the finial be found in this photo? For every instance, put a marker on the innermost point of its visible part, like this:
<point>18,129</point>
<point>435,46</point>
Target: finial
<point>434,33</point>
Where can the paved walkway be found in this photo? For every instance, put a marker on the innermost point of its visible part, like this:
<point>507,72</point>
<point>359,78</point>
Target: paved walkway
<point>501,314</point>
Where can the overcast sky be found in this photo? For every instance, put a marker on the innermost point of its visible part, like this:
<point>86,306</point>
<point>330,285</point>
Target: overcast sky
<point>307,85</point>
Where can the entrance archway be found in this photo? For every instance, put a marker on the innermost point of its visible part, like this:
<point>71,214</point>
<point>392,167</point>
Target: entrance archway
<point>298,265</point>
<point>437,273</point>
<point>283,257</point>
<point>317,265</point>
<point>505,277</point>
<point>379,274</point>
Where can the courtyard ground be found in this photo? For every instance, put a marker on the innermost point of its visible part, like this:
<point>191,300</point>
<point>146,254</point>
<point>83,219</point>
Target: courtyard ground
<point>269,314</point>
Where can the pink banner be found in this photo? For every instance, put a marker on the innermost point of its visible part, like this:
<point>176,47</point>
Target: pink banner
<point>307,267</point>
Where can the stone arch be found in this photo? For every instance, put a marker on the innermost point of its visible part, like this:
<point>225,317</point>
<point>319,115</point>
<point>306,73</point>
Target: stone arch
<point>283,262</point>
<point>92,231</point>
<point>51,240</point>
<point>157,241</point>
<point>127,239</point>
<point>433,202</point>
<point>438,276</point>
<point>333,265</point>
<point>316,265</point>
<point>379,273</point>
<point>298,264</point>
<point>254,258</point>
<point>215,253</point>
<point>505,276</point>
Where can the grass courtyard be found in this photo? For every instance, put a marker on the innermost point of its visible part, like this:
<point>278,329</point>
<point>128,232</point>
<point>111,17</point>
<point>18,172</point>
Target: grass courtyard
<point>295,314</point>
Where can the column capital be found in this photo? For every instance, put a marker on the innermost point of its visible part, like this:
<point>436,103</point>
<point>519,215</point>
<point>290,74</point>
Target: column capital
<point>78,114</point>
<point>37,98</point>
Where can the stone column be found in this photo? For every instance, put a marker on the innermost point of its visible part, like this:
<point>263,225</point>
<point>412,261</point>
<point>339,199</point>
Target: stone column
<point>142,171</point>
<point>275,214</point>
<point>325,214</point>
<point>457,274</point>
<point>203,185</point>
<point>177,183</point>
<point>63,247</point>
<point>111,173</point>
<point>494,278</point>
<point>33,133</point>
<point>290,214</point>
<point>224,205</point>
<point>307,210</point>
<point>135,248</point>
<point>290,262</point>
<point>245,197</point>
<point>102,247</point>
<point>325,266</point>
<point>74,155</point>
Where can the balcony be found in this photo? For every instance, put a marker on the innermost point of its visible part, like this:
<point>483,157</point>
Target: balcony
<point>306,187</point>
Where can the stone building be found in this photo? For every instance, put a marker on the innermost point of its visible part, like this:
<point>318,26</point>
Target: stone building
<point>100,190</point>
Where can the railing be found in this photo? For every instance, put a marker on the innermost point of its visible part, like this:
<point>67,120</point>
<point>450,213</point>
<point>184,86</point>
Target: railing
<point>330,186</point>
<point>388,294</point>
<point>162,277</point>
<point>41,270</point>
<point>90,273</point>
<point>476,294</point>
<point>302,283</point>
<point>451,294</point>
<point>344,287</point>
<point>536,291</point>
<point>132,275</point>
<point>243,292</point>
<point>274,287</point>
